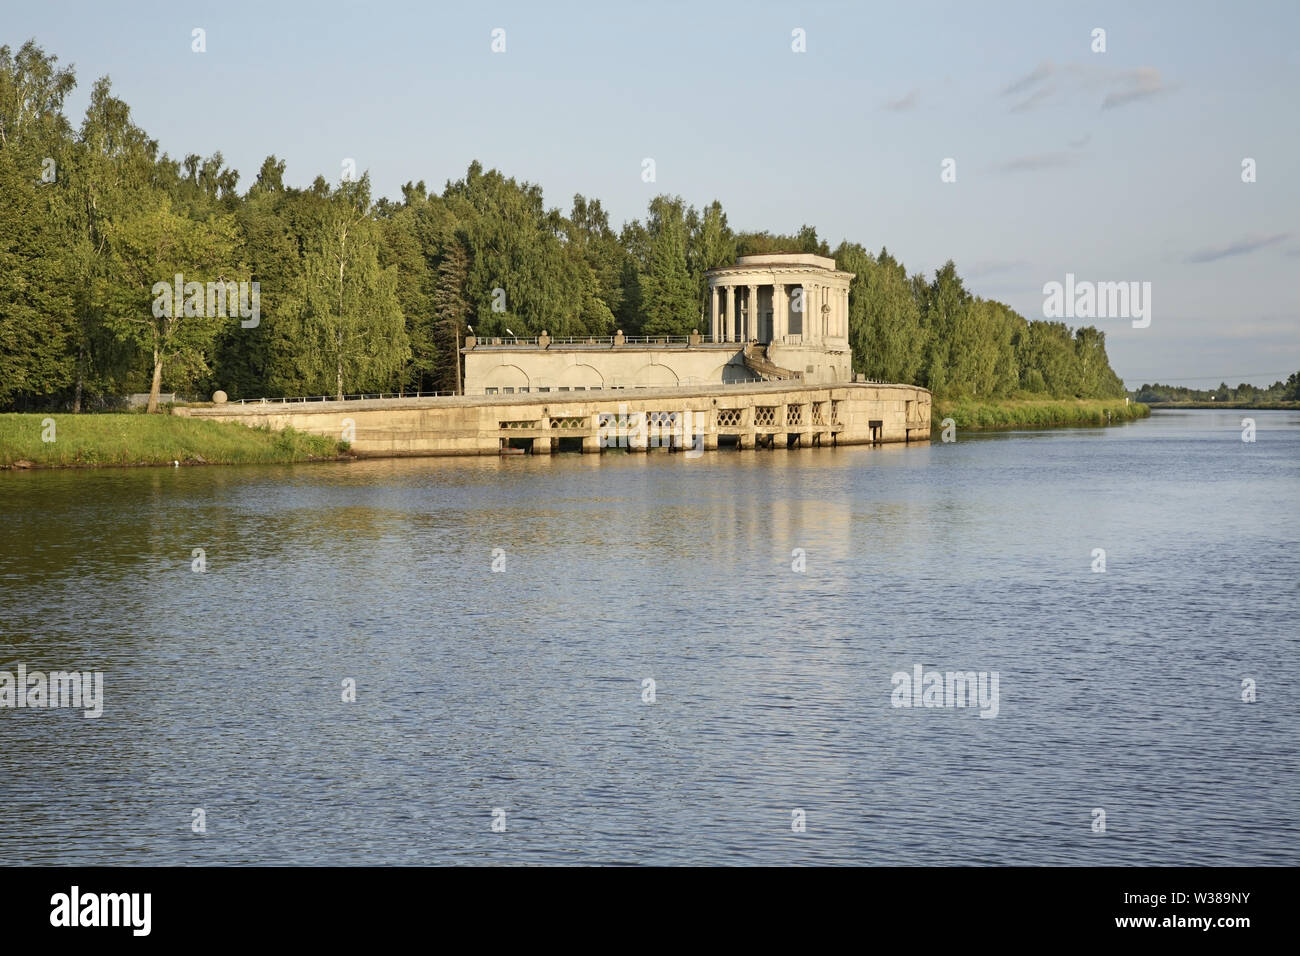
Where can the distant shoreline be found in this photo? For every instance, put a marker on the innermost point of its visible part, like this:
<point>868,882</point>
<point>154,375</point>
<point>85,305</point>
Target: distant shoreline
<point>1265,406</point>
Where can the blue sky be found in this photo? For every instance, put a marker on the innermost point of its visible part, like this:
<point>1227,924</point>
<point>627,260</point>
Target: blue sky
<point>1115,166</point>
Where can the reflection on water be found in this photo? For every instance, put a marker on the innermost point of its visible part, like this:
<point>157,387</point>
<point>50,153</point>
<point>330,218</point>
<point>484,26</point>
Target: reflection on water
<point>522,690</point>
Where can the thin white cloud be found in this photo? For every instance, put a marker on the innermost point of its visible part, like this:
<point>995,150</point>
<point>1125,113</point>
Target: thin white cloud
<point>1050,83</point>
<point>904,103</point>
<point>1241,247</point>
<point>1135,85</point>
<point>1034,99</point>
<point>1030,80</point>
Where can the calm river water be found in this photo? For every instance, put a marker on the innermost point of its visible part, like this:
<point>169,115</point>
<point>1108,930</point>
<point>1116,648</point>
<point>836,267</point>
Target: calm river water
<point>524,690</point>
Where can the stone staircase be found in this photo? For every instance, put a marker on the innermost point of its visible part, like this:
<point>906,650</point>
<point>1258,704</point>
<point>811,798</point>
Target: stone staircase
<point>756,360</point>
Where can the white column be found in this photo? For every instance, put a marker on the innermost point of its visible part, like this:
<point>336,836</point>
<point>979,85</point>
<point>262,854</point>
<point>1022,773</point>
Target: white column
<point>713,312</point>
<point>814,309</point>
<point>751,320</point>
<point>779,326</point>
<point>806,302</point>
<point>817,312</point>
<point>731,313</point>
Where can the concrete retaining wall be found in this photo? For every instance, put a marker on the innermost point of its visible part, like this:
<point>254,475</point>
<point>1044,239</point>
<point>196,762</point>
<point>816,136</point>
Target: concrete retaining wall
<point>773,414</point>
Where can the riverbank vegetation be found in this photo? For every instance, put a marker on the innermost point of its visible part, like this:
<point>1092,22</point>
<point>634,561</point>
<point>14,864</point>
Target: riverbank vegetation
<point>358,294</point>
<point>1034,413</point>
<point>62,441</point>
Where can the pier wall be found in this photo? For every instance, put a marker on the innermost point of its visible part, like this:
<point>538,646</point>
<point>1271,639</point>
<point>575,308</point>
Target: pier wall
<point>749,415</point>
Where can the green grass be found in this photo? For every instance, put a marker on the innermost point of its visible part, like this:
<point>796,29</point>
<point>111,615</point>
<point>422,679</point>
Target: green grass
<point>1034,413</point>
<point>126,439</point>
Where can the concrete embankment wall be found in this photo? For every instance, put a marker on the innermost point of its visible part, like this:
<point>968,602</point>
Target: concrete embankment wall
<point>766,414</point>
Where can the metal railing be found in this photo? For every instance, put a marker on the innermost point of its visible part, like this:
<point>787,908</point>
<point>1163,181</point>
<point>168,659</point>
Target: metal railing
<point>597,341</point>
<point>362,396</point>
<point>552,390</point>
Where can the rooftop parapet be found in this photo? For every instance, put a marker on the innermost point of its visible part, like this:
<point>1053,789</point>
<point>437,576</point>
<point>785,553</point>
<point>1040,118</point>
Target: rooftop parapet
<point>615,341</point>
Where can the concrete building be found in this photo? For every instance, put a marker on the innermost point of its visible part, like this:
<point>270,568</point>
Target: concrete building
<point>771,317</point>
<point>772,372</point>
<point>795,305</point>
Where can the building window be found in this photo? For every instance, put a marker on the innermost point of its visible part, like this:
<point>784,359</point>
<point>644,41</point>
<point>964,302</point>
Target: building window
<point>507,391</point>
<point>489,391</point>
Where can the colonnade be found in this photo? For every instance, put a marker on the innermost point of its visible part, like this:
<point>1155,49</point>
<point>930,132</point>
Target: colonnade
<point>737,313</point>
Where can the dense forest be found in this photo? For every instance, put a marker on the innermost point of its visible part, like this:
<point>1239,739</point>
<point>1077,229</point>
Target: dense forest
<point>1288,391</point>
<point>364,294</point>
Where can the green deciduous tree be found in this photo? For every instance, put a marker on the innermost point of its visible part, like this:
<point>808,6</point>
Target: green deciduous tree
<point>668,295</point>
<point>884,319</point>
<point>153,244</point>
<point>710,243</point>
<point>37,326</point>
<point>403,251</point>
<point>352,321</point>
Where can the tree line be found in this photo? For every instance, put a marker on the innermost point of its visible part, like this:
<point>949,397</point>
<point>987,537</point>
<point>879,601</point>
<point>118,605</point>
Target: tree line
<point>1279,391</point>
<point>357,294</point>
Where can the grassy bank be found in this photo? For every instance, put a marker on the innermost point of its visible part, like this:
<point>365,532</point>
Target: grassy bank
<point>135,439</point>
<point>1031,413</point>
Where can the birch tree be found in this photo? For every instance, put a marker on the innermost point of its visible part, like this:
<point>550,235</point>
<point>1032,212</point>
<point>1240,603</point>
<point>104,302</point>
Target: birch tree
<point>353,321</point>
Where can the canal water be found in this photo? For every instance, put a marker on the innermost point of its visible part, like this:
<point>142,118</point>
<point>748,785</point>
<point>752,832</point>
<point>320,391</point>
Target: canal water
<point>770,596</point>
